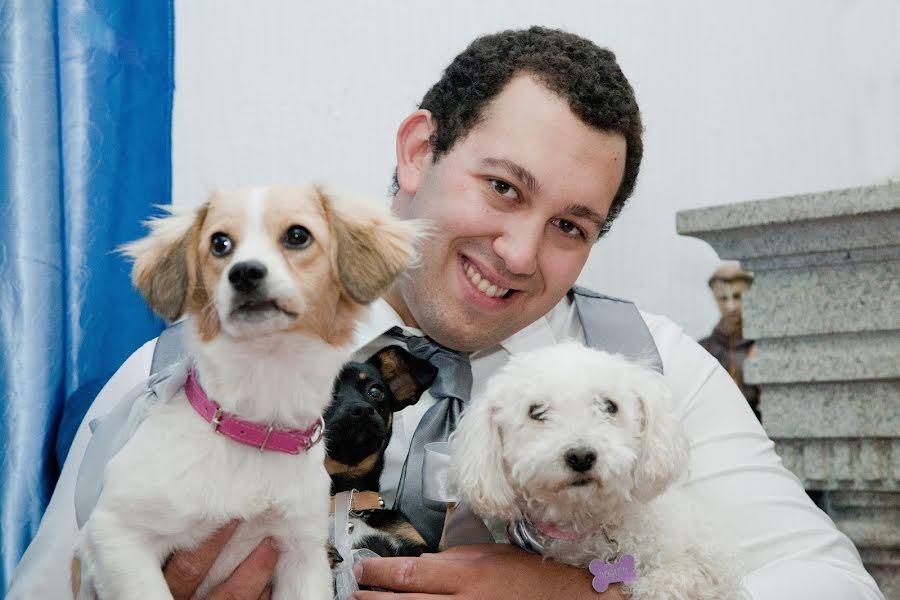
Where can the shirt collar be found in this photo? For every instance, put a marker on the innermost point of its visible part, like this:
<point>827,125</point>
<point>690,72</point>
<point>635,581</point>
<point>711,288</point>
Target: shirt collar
<point>380,317</point>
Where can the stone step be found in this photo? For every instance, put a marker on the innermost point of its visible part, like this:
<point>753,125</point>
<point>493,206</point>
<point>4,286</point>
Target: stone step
<point>825,358</point>
<point>832,410</point>
<point>823,300</point>
<point>871,464</point>
<point>857,218</point>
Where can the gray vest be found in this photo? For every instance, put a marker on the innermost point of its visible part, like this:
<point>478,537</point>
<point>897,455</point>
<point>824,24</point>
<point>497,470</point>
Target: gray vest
<point>609,324</point>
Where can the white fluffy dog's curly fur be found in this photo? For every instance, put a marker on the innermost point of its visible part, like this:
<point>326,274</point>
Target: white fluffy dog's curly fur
<point>582,446</point>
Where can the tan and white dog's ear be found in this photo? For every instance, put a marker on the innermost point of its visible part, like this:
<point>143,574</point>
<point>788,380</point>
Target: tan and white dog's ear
<point>664,449</point>
<point>372,246</point>
<point>165,261</point>
<point>477,471</point>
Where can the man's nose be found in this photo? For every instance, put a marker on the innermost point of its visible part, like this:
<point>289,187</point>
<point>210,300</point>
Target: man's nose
<point>518,248</point>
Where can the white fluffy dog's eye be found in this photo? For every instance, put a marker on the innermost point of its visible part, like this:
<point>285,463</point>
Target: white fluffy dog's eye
<point>538,412</point>
<point>610,407</point>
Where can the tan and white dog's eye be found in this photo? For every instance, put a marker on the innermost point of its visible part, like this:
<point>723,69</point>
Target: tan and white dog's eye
<point>220,244</point>
<point>297,237</point>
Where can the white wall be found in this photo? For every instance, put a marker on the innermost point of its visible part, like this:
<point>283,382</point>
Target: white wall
<point>753,100</point>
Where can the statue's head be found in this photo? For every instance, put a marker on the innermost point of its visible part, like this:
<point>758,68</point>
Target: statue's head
<point>728,284</point>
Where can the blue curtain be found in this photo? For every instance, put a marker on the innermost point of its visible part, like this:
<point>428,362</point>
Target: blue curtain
<point>85,105</point>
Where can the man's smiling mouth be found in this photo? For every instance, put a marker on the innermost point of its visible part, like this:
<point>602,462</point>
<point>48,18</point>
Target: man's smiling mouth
<point>485,286</point>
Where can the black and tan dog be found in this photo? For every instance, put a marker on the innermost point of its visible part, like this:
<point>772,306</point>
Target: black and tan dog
<point>358,426</point>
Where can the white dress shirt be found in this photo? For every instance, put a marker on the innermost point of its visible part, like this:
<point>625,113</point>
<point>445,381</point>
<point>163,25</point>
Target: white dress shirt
<point>789,549</point>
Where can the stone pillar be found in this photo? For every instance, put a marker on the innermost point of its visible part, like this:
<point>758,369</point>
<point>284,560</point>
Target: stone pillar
<point>825,312</point>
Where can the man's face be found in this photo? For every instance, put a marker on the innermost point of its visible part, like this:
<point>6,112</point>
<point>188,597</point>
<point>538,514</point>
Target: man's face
<point>518,203</point>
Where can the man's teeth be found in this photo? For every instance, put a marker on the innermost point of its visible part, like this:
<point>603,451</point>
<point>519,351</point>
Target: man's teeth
<point>486,287</point>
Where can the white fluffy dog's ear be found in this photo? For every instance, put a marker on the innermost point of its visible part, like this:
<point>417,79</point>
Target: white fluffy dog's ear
<point>664,448</point>
<point>477,473</point>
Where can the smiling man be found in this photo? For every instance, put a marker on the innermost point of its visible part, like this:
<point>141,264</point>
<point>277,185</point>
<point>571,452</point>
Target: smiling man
<point>516,206</point>
<point>520,158</point>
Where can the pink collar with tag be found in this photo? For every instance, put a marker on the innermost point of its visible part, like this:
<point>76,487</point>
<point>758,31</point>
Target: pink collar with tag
<point>262,437</point>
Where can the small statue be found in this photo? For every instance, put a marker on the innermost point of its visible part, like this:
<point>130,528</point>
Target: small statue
<point>727,343</point>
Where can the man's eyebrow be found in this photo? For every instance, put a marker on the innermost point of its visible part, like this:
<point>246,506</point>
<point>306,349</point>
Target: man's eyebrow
<point>585,212</point>
<point>517,170</point>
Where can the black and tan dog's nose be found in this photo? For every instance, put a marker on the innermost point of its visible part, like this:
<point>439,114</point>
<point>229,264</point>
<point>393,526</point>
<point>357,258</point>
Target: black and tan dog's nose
<point>580,459</point>
<point>246,276</point>
<point>362,410</point>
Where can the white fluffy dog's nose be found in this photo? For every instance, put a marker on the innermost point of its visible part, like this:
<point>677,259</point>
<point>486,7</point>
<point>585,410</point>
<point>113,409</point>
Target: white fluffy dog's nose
<point>245,276</point>
<point>580,459</point>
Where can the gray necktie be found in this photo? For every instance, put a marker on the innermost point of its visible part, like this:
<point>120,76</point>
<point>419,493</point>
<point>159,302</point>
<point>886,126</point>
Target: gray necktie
<point>451,391</point>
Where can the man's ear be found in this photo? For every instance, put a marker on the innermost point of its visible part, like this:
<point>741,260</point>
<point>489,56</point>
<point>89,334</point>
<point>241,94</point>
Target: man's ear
<point>414,149</point>
<point>406,375</point>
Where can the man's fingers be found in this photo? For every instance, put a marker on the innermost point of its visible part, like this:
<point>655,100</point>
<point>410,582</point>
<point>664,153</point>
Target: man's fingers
<point>251,578</point>
<point>408,574</point>
<point>470,551</point>
<point>186,569</point>
<point>366,595</point>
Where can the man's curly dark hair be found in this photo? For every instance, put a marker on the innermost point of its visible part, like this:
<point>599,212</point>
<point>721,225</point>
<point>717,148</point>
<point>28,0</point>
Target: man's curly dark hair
<point>586,76</point>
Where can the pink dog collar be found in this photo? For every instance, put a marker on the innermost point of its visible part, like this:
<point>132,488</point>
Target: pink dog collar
<point>263,437</point>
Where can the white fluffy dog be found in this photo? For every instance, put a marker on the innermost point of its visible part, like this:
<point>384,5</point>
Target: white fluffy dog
<point>577,449</point>
<point>273,280</point>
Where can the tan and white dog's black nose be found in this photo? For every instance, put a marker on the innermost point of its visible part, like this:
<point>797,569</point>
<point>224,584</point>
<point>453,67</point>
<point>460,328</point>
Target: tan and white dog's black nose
<point>580,459</point>
<point>246,276</point>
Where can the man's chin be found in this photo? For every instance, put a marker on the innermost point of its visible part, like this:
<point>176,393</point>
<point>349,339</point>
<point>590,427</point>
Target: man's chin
<point>471,338</point>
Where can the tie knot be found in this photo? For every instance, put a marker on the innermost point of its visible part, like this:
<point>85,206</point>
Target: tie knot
<point>454,377</point>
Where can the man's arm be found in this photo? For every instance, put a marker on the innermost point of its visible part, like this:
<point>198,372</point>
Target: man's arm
<point>493,571</point>
<point>50,552</point>
<point>788,548</point>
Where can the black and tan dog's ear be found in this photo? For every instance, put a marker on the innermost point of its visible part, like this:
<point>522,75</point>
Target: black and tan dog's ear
<point>371,247</point>
<point>406,375</point>
<point>165,262</point>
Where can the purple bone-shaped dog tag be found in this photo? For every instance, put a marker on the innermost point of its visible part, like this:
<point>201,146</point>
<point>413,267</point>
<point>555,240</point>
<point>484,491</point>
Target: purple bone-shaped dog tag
<point>621,571</point>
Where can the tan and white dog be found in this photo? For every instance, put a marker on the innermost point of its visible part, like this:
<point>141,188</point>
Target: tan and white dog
<point>273,280</point>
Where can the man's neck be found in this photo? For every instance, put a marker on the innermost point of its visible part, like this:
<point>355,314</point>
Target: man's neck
<point>395,300</point>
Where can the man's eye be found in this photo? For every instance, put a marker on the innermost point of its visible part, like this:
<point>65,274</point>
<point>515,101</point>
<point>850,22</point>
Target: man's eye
<point>569,228</point>
<point>504,189</point>
<point>220,244</point>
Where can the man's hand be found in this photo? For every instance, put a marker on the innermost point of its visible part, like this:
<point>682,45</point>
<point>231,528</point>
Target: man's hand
<point>185,571</point>
<point>494,571</point>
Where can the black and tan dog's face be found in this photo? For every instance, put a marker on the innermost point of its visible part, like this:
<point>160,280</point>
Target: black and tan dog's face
<point>359,420</point>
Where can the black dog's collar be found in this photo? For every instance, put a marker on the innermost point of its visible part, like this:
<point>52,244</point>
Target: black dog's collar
<point>362,501</point>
